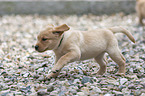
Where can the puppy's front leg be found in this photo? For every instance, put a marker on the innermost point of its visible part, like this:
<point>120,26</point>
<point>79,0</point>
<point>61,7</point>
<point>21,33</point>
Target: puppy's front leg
<point>68,57</point>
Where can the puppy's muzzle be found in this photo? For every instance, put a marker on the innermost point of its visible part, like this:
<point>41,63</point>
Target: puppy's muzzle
<point>36,47</point>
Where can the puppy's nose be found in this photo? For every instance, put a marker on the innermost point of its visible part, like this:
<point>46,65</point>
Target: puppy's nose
<point>36,47</point>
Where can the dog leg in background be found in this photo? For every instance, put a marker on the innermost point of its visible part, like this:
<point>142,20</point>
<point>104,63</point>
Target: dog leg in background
<point>141,19</point>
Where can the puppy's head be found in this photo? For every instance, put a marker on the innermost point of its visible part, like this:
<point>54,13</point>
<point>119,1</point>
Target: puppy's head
<point>50,38</point>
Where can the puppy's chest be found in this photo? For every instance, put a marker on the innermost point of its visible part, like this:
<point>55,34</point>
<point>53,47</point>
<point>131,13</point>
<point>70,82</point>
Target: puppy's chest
<point>60,53</point>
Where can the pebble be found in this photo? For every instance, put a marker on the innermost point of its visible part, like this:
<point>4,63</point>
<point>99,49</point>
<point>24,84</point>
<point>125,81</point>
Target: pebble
<point>131,86</point>
<point>123,81</point>
<point>42,92</point>
<point>86,79</point>
<point>50,88</point>
<point>26,75</point>
<point>53,93</point>
<point>143,94</point>
<point>108,94</point>
<point>81,94</point>
<point>117,93</point>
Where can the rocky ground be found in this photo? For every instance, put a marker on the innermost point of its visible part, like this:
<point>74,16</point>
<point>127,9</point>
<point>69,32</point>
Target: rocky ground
<point>22,69</point>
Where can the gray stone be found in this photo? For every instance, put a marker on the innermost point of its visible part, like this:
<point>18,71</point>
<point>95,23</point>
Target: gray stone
<point>25,89</point>
<point>81,94</point>
<point>117,93</point>
<point>108,94</point>
<point>86,79</point>
<point>4,92</point>
<point>42,92</point>
<point>132,86</point>
<point>26,75</point>
<point>143,94</point>
<point>123,81</point>
<point>50,88</point>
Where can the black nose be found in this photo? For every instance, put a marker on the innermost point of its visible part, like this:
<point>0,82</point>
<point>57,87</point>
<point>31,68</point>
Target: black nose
<point>36,47</point>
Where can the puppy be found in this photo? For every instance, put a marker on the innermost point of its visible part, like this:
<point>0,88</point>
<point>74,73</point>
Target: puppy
<point>140,8</point>
<point>70,46</point>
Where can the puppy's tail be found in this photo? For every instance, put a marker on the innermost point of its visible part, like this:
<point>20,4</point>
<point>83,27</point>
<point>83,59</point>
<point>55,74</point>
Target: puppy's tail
<point>122,30</point>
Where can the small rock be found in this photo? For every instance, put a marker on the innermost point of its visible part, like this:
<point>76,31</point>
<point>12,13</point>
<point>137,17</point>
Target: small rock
<point>50,88</point>
<point>85,90</point>
<point>42,92</point>
<point>108,94</point>
<point>133,77</point>
<point>123,80</point>
<point>104,89</point>
<point>40,69</point>
<point>117,93</point>
<point>18,94</point>
<point>10,94</point>
<point>96,89</point>
<point>26,75</point>
<point>34,93</point>
<point>76,81</point>
<point>4,74</point>
<point>41,78</point>
<point>143,94</point>
<point>81,94</point>
<point>114,82</point>
<point>44,65</point>
<point>132,86</point>
<point>25,89</point>
<point>54,93</point>
<point>36,76</point>
<point>4,92</point>
<point>31,57</point>
<point>137,92</point>
<point>86,79</point>
<point>122,86</point>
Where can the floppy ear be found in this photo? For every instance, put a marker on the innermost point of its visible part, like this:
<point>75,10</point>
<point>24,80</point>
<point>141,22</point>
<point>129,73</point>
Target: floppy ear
<point>60,29</point>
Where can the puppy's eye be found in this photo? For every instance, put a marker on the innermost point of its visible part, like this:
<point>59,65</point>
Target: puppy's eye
<point>44,39</point>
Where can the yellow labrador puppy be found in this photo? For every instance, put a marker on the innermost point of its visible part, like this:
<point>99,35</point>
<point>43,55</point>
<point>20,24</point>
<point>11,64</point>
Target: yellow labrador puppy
<point>69,45</point>
<point>140,8</point>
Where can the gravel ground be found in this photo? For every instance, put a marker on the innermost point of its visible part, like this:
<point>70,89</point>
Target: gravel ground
<point>22,69</point>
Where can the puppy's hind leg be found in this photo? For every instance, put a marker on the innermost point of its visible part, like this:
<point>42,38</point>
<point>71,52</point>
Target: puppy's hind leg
<point>116,56</point>
<point>100,60</point>
<point>141,19</point>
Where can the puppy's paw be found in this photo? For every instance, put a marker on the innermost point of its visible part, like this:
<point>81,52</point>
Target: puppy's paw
<point>120,74</point>
<point>53,74</point>
<point>56,71</point>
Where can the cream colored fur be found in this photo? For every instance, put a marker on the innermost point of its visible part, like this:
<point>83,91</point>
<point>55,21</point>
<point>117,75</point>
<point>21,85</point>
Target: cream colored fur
<point>140,8</point>
<point>82,45</point>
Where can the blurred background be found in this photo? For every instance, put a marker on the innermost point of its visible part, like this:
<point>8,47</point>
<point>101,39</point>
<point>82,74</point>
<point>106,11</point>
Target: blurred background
<point>62,7</point>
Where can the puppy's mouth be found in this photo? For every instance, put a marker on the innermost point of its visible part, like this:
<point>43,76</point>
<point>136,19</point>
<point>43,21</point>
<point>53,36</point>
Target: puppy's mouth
<point>42,50</point>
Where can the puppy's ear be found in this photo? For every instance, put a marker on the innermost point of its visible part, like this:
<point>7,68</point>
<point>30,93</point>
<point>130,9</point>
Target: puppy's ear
<point>60,29</point>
